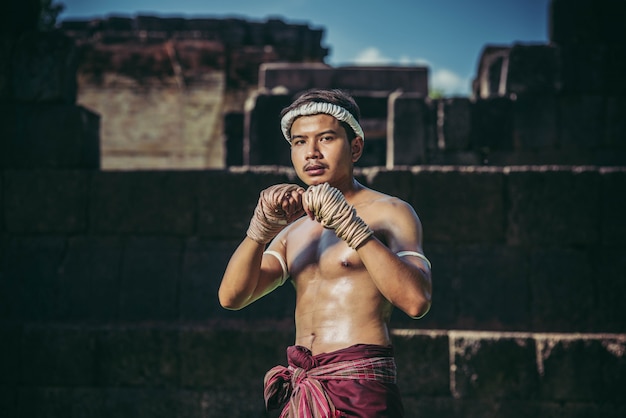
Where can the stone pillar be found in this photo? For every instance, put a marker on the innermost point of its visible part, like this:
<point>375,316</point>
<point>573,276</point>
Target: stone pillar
<point>409,128</point>
<point>263,142</point>
<point>40,124</point>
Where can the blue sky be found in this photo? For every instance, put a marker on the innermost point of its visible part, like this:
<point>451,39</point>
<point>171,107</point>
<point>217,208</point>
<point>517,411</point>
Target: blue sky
<point>446,35</point>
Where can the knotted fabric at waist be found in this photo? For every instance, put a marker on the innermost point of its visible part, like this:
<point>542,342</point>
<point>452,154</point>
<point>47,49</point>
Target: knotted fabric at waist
<point>300,387</point>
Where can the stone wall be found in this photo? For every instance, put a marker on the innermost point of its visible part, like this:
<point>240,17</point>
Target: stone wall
<point>108,285</point>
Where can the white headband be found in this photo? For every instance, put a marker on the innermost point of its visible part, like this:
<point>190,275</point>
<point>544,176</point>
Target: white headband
<point>314,108</point>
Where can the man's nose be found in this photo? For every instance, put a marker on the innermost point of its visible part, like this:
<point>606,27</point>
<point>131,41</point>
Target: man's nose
<point>312,151</point>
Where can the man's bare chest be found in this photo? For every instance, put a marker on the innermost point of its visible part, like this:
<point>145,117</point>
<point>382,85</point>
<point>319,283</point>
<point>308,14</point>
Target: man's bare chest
<point>315,250</point>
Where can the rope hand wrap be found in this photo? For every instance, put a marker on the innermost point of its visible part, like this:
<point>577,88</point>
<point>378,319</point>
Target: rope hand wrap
<point>331,209</point>
<point>269,216</point>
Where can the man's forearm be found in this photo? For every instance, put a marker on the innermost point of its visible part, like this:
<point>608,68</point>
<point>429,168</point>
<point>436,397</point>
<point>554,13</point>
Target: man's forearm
<point>404,284</point>
<point>242,275</point>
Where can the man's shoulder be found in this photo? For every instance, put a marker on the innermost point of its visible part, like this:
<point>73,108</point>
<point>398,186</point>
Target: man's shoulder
<point>379,199</point>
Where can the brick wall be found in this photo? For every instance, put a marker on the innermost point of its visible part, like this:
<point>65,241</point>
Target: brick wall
<point>108,286</point>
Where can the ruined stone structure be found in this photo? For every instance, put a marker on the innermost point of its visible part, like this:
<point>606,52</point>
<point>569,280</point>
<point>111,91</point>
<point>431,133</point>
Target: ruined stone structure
<point>165,86</point>
<point>206,93</point>
<point>560,103</point>
<point>108,279</point>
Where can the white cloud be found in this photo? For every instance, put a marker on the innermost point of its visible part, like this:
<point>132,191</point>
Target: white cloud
<point>371,56</point>
<point>448,82</point>
<point>406,60</point>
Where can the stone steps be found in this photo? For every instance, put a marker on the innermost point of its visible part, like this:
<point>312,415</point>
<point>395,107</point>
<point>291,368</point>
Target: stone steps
<point>157,369</point>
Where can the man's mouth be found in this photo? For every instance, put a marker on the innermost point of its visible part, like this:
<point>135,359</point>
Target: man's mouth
<point>314,169</point>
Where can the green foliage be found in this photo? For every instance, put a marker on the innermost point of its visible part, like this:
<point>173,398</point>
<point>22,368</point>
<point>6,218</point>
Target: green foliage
<point>436,93</point>
<point>49,14</point>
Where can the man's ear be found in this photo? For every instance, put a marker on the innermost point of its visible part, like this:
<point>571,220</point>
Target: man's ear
<point>356,148</point>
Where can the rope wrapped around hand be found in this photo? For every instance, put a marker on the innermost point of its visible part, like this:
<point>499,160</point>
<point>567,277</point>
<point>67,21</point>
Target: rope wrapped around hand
<point>269,216</point>
<point>331,209</point>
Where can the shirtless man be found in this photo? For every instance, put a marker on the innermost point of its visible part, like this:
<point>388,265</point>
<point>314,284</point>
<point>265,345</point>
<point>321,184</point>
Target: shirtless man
<point>354,255</point>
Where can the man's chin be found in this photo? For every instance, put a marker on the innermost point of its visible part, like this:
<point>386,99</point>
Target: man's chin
<point>314,181</point>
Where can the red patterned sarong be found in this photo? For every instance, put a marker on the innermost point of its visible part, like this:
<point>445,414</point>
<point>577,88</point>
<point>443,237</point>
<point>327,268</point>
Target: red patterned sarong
<point>356,381</point>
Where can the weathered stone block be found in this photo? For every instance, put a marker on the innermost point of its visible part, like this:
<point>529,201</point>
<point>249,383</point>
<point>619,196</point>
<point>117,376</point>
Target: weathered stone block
<point>494,366</point>
<point>456,123</point>
<point>107,402</point>
<point>416,406</point>
<point>615,123</point>
<point>382,79</point>
<point>532,69</point>
<point>233,132</point>
<point>374,121</point>
<point>46,201</point>
<point>615,69</point>
<point>581,122</point>
<point>535,123</point>
<point>8,400</point>
<point>561,290</point>
<point>143,202</point>
<point>226,201</point>
<point>609,287</point>
<point>150,278</point>
<point>235,403</point>
<point>398,183</point>
<point>57,356</point>
<point>545,205</point>
<point>10,349</point>
<point>423,362</point>
<point>613,221</point>
<point>584,21</point>
<point>498,298</point>
<point>30,284</point>
<point>204,264</point>
<point>492,124</point>
<point>481,408</point>
<point>295,77</point>
<point>139,357</point>
<point>234,359</point>
<point>408,120</point>
<point>264,143</point>
<point>583,369</point>
<point>19,17</point>
<point>55,280</point>
<point>6,77</point>
<point>300,77</point>
<point>2,211</point>
<point>584,70</point>
<point>89,276</point>
<point>57,402</point>
<point>48,136</point>
<point>454,198</point>
<point>44,68</point>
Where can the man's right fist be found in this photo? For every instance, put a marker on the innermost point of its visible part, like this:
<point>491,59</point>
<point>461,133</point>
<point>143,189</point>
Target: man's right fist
<point>328,206</point>
<point>278,206</point>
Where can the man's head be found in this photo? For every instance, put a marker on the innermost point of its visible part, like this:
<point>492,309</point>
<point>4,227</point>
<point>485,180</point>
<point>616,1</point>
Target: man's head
<point>325,136</point>
<point>333,102</point>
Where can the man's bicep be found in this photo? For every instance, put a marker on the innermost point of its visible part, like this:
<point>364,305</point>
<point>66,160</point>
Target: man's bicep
<point>274,271</point>
<point>405,230</point>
